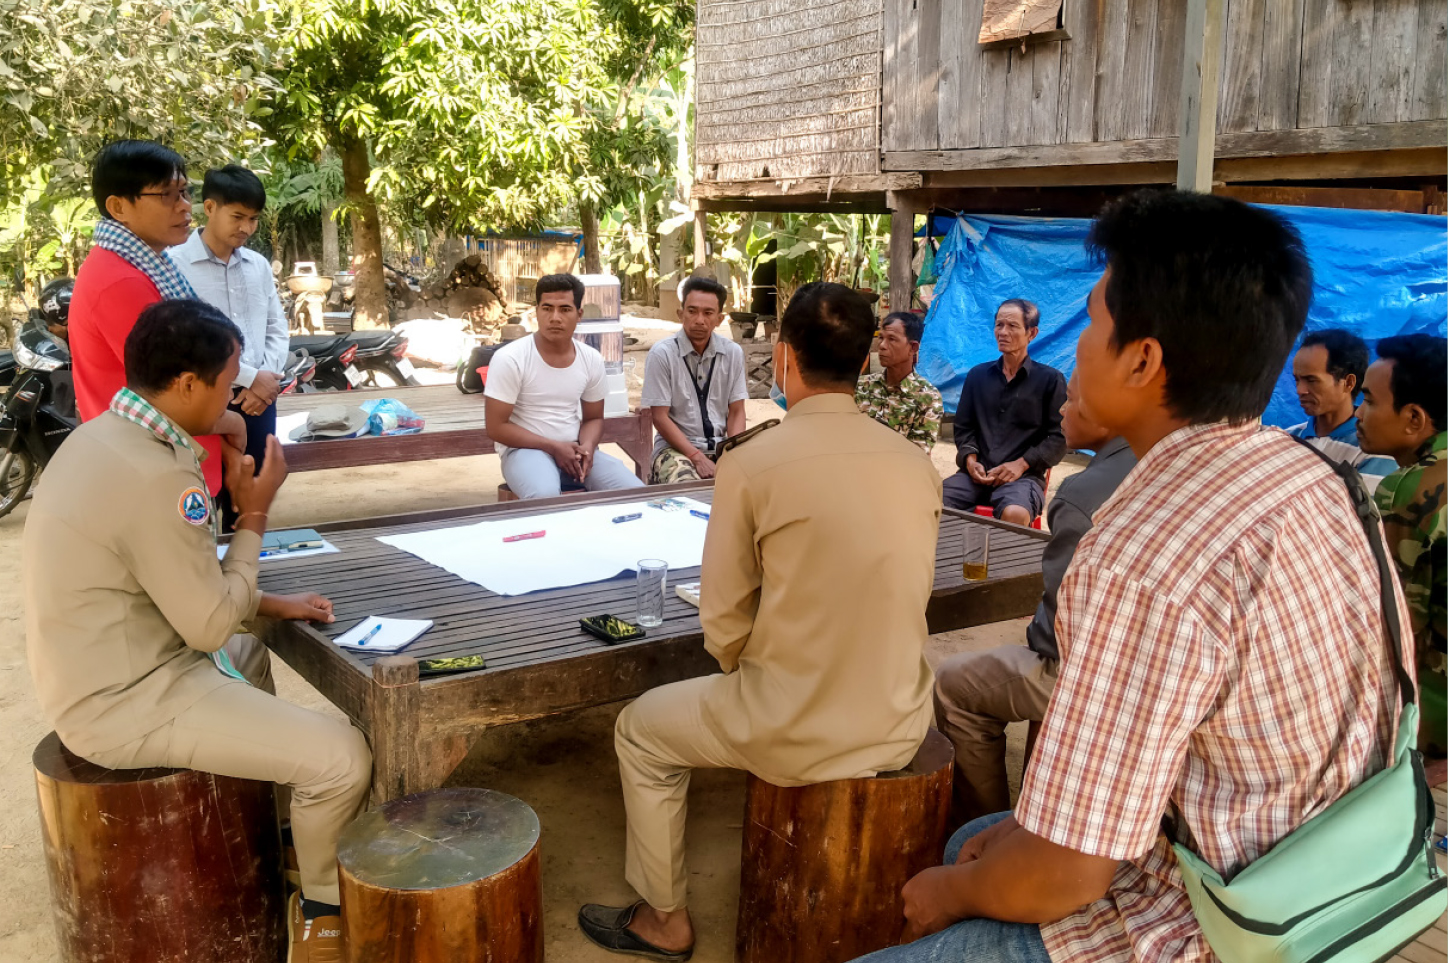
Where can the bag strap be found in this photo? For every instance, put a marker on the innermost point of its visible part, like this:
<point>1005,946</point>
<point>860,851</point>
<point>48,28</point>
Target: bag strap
<point>1371,520</point>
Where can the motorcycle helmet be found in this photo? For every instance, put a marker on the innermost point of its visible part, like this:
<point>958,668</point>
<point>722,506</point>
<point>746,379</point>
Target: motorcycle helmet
<point>55,301</point>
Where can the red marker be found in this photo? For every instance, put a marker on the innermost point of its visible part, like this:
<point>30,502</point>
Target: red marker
<point>524,538</point>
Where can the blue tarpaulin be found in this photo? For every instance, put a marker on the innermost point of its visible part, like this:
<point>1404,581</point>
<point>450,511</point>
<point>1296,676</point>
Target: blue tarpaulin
<point>1377,274</point>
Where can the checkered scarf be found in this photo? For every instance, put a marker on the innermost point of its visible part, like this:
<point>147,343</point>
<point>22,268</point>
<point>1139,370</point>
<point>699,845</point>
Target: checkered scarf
<point>115,237</point>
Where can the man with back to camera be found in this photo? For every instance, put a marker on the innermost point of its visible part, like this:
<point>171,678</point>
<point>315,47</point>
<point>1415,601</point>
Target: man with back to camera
<point>238,282</point>
<point>544,402</point>
<point>1403,417</point>
<point>978,693</point>
<point>897,397</point>
<point>1008,424</point>
<point>130,618</point>
<point>694,387</point>
<point>786,560</point>
<point>144,200</point>
<point>1328,372</point>
<point>1224,652</point>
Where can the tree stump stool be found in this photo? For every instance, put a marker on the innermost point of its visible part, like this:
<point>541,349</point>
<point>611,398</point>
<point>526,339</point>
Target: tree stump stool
<point>160,865</point>
<point>823,865</point>
<point>446,876</point>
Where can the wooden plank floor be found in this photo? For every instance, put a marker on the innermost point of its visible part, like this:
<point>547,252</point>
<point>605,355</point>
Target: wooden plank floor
<point>1432,945</point>
<point>369,578</point>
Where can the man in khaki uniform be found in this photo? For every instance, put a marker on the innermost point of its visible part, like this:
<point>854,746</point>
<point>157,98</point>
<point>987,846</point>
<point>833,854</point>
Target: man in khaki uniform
<point>817,620</point>
<point>130,618</point>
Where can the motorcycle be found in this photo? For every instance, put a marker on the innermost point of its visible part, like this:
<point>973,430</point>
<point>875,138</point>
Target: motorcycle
<point>38,412</point>
<point>362,359</point>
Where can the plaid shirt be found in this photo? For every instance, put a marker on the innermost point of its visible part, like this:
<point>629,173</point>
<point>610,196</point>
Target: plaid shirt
<point>1224,660</point>
<point>134,408</point>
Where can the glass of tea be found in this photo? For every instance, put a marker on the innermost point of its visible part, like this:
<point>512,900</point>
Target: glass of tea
<point>975,561</point>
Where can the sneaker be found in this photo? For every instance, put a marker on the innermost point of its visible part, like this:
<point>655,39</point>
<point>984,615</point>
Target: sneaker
<point>312,941</point>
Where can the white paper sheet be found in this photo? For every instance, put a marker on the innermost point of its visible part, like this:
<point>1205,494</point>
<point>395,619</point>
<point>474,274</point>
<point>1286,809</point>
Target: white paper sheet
<point>581,545</point>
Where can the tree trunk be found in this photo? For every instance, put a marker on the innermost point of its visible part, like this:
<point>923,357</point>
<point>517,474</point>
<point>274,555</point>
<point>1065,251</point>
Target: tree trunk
<point>371,298</point>
<point>330,256</point>
<point>592,261</point>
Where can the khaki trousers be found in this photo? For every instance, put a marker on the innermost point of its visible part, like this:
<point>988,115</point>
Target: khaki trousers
<point>246,732</point>
<point>661,738</point>
<point>976,695</point>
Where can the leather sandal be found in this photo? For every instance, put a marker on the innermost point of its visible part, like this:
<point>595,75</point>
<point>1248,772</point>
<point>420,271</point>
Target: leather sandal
<point>607,926</point>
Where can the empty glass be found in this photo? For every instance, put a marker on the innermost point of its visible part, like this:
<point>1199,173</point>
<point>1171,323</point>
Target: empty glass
<point>653,578</point>
<point>975,559</point>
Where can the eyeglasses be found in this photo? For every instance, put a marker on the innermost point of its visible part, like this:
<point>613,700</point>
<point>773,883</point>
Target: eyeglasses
<point>170,197</point>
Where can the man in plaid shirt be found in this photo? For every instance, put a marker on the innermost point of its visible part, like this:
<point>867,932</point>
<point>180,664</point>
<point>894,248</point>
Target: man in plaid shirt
<point>1225,668</point>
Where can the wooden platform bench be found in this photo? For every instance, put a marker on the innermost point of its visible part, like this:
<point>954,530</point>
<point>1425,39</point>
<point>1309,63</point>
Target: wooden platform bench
<point>454,428</point>
<point>539,663</point>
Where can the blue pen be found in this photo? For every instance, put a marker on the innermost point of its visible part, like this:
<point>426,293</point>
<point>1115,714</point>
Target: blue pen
<point>628,518</point>
<point>698,514</point>
<point>368,637</point>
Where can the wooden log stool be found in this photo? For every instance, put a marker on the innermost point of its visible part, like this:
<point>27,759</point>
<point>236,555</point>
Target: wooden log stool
<point>447,875</point>
<point>160,865</point>
<point>823,865</point>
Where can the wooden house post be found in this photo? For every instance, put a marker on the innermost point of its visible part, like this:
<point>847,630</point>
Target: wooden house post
<point>902,250</point>
<point>1201,72</point>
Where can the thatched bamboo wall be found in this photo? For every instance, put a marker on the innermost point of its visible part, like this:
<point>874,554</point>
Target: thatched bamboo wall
<point>787,88</point>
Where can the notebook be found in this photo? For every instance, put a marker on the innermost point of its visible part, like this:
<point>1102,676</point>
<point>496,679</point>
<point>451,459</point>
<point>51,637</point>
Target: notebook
<point>376,634</point>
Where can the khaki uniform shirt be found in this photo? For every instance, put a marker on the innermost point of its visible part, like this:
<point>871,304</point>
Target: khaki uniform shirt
<point>124,596</point>
<point>818,566</point>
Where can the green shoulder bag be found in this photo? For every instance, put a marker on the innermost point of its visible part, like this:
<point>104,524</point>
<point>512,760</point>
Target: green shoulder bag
<point>1358,880</point>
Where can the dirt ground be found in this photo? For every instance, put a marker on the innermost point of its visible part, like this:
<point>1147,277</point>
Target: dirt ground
<point>563,767</point>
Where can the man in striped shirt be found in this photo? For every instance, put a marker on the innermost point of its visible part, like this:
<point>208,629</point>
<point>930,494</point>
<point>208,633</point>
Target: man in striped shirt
<point>1328,372</point>
<point>1223,654</point>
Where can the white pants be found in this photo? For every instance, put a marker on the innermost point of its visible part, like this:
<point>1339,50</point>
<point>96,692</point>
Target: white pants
<point>531,473</point>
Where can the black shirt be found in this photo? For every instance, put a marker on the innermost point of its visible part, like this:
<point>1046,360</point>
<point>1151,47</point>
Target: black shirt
<point>1001,421</point>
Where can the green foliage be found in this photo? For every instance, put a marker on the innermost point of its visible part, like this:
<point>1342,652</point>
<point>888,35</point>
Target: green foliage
<point>297,193</point>
<point>477,113</point>
<point>77,73</point>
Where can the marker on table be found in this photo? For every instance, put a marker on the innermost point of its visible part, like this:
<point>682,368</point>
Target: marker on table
<point>698,514</point>
<point>524,537</point>
<point>368,637</point>
<point>627,518</point>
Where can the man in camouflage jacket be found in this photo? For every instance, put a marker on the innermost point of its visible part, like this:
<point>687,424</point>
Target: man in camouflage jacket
<point>1403,415</point>
<point>898,398</point>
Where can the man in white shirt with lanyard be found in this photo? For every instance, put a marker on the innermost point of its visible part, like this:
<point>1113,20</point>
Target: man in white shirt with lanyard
<point>544,403</point>
<point>238,282</point>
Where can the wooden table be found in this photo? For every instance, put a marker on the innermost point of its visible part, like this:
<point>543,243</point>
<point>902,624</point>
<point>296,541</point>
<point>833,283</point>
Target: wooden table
<point>539,662</point>
<point>454,428</point>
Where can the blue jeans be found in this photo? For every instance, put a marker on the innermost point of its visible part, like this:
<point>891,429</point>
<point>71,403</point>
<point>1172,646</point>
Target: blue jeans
<point>534,474</point>
<point>970,941</point>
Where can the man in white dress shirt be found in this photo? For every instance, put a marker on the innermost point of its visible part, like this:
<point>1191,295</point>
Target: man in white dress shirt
<point>238,281</point>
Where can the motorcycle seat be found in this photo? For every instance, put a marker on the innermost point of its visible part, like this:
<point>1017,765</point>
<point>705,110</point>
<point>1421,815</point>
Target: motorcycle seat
<point>366,340</point>
<point>316,346</point>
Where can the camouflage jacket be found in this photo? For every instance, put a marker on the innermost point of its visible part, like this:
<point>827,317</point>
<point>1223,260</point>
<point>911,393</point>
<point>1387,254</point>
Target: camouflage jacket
<point>1412,502</point>
<point>913,409</point>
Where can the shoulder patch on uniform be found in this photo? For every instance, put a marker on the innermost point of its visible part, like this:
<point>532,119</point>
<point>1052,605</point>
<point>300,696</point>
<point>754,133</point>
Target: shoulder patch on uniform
<point>194,506</point>
<point>734,441</point>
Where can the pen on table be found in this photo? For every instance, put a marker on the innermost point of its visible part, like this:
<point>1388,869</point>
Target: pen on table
<point>368,637</point>
<point>627,518</point>
<point>524,537</point>
<point>698,514</point>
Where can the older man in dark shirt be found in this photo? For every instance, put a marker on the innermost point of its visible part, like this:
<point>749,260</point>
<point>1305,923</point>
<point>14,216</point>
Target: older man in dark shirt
<point>1008,424</point>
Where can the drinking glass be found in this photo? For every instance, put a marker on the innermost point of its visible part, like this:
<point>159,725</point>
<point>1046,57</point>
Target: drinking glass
<point>653,578</point>
<point>975,560</point>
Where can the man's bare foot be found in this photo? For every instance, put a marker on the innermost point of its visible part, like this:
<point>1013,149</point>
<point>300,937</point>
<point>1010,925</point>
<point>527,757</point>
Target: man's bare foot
<point>668,931</point>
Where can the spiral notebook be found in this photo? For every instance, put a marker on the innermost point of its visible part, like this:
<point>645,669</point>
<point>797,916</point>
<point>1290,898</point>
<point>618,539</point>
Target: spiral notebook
<point>376,634</point>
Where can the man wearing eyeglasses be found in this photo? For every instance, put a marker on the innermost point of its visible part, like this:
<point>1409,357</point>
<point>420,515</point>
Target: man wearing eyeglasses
<point>141,192</point>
